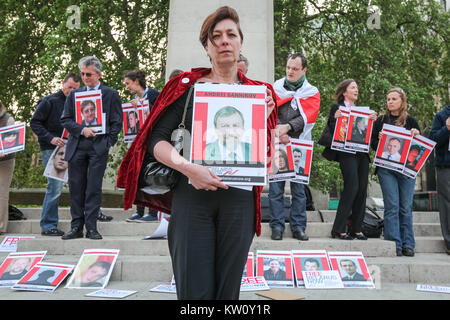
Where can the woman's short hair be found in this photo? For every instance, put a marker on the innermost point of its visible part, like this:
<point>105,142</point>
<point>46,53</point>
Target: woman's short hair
<point>225,12</point>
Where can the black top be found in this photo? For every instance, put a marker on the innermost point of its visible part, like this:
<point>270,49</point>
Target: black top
<point>170,120</point>
<point>411,123</point>
<point>46,120</point>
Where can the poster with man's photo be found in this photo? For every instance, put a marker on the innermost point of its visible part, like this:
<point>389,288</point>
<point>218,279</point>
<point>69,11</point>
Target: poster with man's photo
<point>44,276</point>
<point>276,268</point>
<point>229,132</point>
<point>302,152</point>
<point>352,267</point>
<point>143,111</point>
<point>249,266</point>
<point>309,260</point>
<point>17,264</point>
<point>131,123</point>
<point>12,138</point>
<point>359,129</point>
<point>94,269</point>
<point>89,110</point>
<point>340,131</point>
<point>419,152</point>
<point>393,148</point>
<point>57,167</point>
<point>282,166</point>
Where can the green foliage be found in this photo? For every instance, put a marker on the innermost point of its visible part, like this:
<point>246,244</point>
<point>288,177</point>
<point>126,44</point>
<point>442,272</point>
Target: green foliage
<point>39,46</point>
<point>409,50</point>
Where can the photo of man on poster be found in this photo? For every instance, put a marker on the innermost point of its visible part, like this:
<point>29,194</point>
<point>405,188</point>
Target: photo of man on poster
<point>349,271</point>
<point>229,146</point>
<point>275,271</point>
<point>393,149</point>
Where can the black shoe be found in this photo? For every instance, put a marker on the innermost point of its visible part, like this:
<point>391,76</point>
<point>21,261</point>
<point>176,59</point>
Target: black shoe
<point>300,235</point>
<point>277,234</point>
<point>93,235</point>
<point>359,236</point>
<point>101,217</point>
<point>408,252</point>
<point>73,234</point>
<point>341,236</point>
<point>398,251</point>
<point>52,233</point>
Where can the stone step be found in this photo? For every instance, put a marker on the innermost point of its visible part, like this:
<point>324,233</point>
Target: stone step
<point>134,245</point>
<point>119,214</point>
<point>424,268</point>
<point>123,228</point>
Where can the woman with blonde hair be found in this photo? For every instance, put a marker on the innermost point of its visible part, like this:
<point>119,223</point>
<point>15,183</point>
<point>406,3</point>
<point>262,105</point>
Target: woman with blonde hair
<point>397,189</point>
<point>7,162</point>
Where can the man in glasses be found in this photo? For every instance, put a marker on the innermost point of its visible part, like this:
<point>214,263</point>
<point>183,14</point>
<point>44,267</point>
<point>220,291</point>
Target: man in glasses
<point>46,124</point>
<point>87,153</point>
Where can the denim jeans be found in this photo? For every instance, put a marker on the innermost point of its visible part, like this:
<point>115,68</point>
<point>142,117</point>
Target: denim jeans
<point>297,217</point>
<point>49,216</point>
<point>398,194</point>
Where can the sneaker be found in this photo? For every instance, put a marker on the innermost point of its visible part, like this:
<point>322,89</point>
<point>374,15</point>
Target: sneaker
<point>52,232</point>
<point>134,217</point>
<point>101,217</point>
<point>147,218</point>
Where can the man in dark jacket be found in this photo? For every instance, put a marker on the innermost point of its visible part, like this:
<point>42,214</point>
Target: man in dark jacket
<point>87,151</point>
<point>440,132</point>
<point>46,124</point>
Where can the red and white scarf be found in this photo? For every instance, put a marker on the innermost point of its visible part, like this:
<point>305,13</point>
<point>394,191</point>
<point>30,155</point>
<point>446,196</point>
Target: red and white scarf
<point>306,99</point>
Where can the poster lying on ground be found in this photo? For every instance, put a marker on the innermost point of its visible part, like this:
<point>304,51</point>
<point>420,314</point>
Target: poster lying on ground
<point>44,276</point>
<point>12,138</point>
<point>111,293</point>
<point>276,268</point>
<point>9,243</point>
<point>94,269</point>
<point>16,265</point>
<point>393,148</point>
<point>419,151</point>
<point>89,110</point>
<point>359,129</point>
<point>352,267</point>
<point>282,167</point>
<point>254,284</point>
<point>229,132</point>
<point>309,260</point>
<point>302,152</point>
<point>249,266</point>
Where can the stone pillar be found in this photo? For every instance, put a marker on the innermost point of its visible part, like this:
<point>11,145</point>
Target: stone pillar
<point>184,50</point>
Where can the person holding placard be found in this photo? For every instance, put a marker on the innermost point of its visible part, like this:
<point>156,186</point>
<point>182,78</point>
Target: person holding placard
<point>87,151</point>
<point>136,84</point>
<point>397,189</point>
<point>6,172</point>
<point>46,124</point>
<point>211,225</point>
<point>299,105</point>
<point>354,168</point>
<point>440,132</point>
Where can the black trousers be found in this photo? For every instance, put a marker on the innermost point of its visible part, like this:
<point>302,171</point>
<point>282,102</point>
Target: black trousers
<point>352,204</point>
<point>86,170</point>
<point>209,235</point>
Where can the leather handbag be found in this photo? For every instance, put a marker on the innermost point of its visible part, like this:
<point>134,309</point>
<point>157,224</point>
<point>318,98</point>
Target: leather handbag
<point>157,178</point>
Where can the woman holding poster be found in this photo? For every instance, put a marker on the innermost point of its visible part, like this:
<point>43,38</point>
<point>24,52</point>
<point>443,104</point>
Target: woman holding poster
<point>211,225</point>
<point>355,172</point>
<point>397,189</point>
<point>6,172</point>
